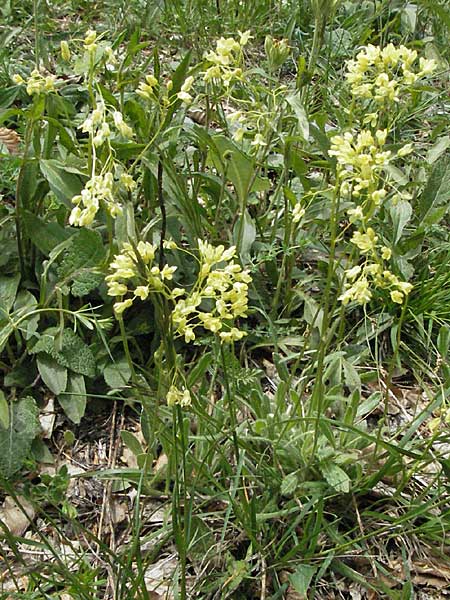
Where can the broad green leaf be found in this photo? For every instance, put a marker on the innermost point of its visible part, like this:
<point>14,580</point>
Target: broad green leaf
<point>8,291</point>
<point>443,340</point>
<point>132,443</point>
<point>351,377</point>
<point>84,251</point>
<point>73,400</point>
<point>8,95</point>
<point>29,184</point>
<point>244,235</point>
<point>400,215</point>
<point>228,159</point>
<point>4,411</point>
<point>117,374</point>
<point>53,374</point>
<point>299,110</point>
<point>6,329</point>
<point>26,305</point>
<point>336,477</point>
<point>67,349</point>
<point>64,184</point>
<point>438,149</point>
<point>178,79</point>
<point>301,578</point>
<point>16,439</point>
<point>199,369</point>
<point>45,236</point>
<point>435,198</point>
<point>369,404</point>
<point>397,175</point>
<point>289,484</point>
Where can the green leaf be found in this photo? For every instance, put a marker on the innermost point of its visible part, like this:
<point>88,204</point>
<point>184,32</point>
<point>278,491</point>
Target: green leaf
<point>63,183</point>
<point>73,400</point>
<point>300,112</point>
<point>4,411</point>
<point>228,159</point>
<point>117,374</point>
<point>438,149</point>
<point>6,330</point>
<point>53,374</point>
<point>84,283</point>
<point>400,215</point>
<point>433,202</point>
<point>336,477</point>
<point>8,291</point>
<point>16,439</point>
<point>301,579</point>
<point>68,350</point>
<point>45,236</point>
<point>351,377</point>
<point>397,175</point>
<point>178,78</point>
<point>84,250</point>
<point>289,484</point>
<point>244,234</point>
<point>131,442</point>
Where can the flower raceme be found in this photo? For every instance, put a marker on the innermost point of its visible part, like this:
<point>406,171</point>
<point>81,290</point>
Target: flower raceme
<point>381,74</point>
<point>225,61</point>
<point>217,298</point>
<point>373,273</point>
<point>361,160</point>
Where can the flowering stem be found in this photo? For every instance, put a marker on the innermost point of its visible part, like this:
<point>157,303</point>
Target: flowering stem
<point>179,521</point>
<point>162,208</point>
<point>318,394</point>
<point>231,406</point>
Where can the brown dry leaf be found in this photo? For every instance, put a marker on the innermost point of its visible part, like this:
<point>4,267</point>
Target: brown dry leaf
<point>161,464</point>
<point>17,516</point>
<point>10,139</point>
<point>129,458</point>
<point>159,576</point>
<point>47,418</point>
<point>20,583</point>
<point>118,512</point>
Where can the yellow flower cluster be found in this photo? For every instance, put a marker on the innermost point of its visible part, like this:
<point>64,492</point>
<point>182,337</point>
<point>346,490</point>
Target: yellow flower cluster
<point>219,295</point>
<point>177,396</point>
<point>135,265</point>
<point>98,127</point>
<point>226,60</point>
<point>381,74</point>
<point>99,189</point>
<point>36,84</point>
<point>359,279</point>
<point>147,90</point>
<point>360,160</point>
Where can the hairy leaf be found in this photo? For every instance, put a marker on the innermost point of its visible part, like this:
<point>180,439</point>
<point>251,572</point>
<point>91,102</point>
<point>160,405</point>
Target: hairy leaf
<point>68,350</point>
<point>16,439</point>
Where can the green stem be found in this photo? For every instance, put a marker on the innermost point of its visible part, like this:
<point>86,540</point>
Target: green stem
<point>36,33</point>
<point>325,333</point>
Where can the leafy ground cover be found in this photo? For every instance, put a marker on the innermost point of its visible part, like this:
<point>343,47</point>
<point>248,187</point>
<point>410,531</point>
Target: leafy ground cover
<point>224,299</point>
